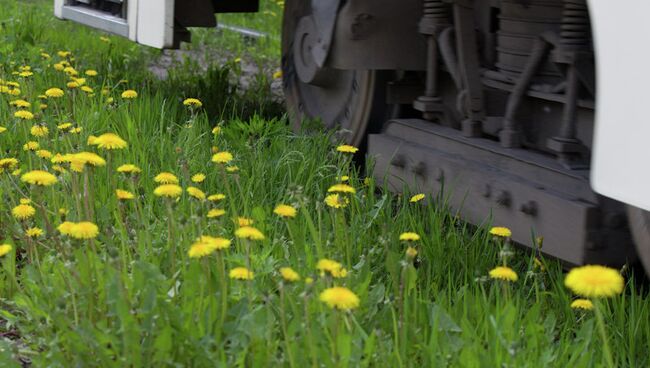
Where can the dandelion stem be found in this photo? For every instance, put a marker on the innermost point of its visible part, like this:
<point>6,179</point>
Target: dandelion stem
<point>607,352</point>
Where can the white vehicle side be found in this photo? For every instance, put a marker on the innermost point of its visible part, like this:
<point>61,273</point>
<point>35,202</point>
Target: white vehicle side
<point>622,129</point>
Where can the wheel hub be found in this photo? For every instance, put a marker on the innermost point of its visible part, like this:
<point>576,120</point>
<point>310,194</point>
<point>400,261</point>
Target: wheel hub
<point>306,37</point>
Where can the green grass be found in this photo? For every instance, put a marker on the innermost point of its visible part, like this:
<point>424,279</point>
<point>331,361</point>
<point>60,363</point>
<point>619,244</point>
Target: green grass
<point>133,297</point>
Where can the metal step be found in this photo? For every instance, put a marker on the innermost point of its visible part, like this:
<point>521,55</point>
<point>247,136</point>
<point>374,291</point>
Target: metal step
<point>96,19</point>
<point>528,192</point>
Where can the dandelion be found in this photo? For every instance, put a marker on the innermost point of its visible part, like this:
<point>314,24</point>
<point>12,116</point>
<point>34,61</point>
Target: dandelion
<point>23,115</point>
<point>215,243</point>
<point>417,198</point>
<point>54,93</point>
<point>200,249</point>
<point>34,232</point>
<point>594,281</point>
<point>232,169</point>
<point>44,154</point>
<point>31,146</point>
<point>39,177</point>
<point>5,249</point>
<point>84,230</point>
<point>409,236</point>
<point>192,102</point>
<point>347,148</point>
<point>66,126</point>
<point>240,273</point>
<point>166,178</point>
<point>503,273</point>
<point>500,231</point>
<point>244,221</point>
<point>72,85</point>
<point>8,163</point>
<point>216,130</point>
<point>110,141</point>
<point>341,188</point>
<point>339,298</point>
<point>336,201</point>
<point>198,178</point>
<point>23,211</point>
<point>21,104</point>
<point>216,212</point>
<point>123,195</point>
<point>288,274</point>
<point>196,193</point>
<point>249,232</point>
<point>91,73</point>
<point>87,89</point>
<point>39,131</point>
<point>411,252</point>
<point>2,129</point>
<point>335,269</point>
<point>222,157</point>
<point>65,228</point>
<point>216,197</point>
<point>277,74</point>
<point>129,94</point>
<point>285,211</point>
<point>168,190</point>
<point>584,304</point>
<point>130,169</point>
<point>343,178</point>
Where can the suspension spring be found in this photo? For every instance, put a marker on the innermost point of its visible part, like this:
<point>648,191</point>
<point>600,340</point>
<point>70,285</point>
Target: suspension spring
<point>575,31</point>
<point>435,11</point>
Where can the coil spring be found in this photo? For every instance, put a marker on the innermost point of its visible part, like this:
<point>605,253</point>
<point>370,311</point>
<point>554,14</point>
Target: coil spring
<point>436,11</point>
<point>576,29</point>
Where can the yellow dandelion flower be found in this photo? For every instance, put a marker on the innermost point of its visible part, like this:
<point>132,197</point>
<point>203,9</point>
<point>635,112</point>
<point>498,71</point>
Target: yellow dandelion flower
<point>39,177</point>
<point>336,201</point>
<point>64,54</point>
<point>222,157</point>
<point>25,201</point>
<point>200,249</point>
<point>335,269</point>
<point>20,103</point>
<point>87,89</point>
<point>198,178</point>
<point>91,73</point>
<point>244,221</point>
<point>232,169</point>
<point>54,93</point>
<point>59,168</point>
<point>124,194</point>
<point>339,298</point>
<point>216,197</point>
<point>594,281</point>
<point>343,178</point>
<point>501,231</point>
<point>23,211</point>
<point>215,243</point>
<point>63,211</point>
<point>44,154</point>
<point>110,141</point>
<point>309,280</point>
<point>417,198</point>
<point>130,169</point>
<point>76,130</point>
<point>216,130</point>
<point>166,178</point>
<point>196,193</point>
<point>277,74</point>
<point>249,232</point>
<point>240,273</point>
<point>39,131</point>
<point>129,94</point>
<point>5,249</point>
<point>284,210</point>
<point>584,304</point>
<point>168,190</point>
<point>2,129</point>
<point>216,212</point>
<point>192,102</point>
<point>34,232</point>
<point>86,158</point>
<point>66,227</point>
<point>503,273</point>
<point>288,274</point>
<point>409,236</point>
<point>23,115</point>
<point>104,39</point>
<point>84,230</point>
<point>347,148</point>
<point>72,85</point>
<point>341,188</point>
<point>31,146</point>
<point>16,172</point>
<point>8,163</point>
<point>66,126</point>
<point>411,252</point>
